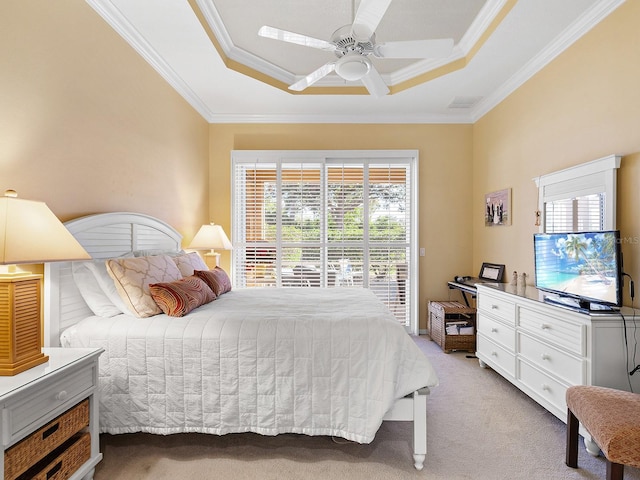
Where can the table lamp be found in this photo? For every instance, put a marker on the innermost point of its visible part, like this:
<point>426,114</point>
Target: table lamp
<point>29,233</point>
<point>210,237</point>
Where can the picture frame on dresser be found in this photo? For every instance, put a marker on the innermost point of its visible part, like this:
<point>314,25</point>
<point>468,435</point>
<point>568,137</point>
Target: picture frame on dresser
<point>491,271</point>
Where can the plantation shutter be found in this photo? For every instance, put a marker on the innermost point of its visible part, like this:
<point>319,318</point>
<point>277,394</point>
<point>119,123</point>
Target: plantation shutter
<point>254,229</point>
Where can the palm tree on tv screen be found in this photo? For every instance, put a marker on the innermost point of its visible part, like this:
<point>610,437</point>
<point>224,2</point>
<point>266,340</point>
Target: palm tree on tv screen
<point>577,246</point>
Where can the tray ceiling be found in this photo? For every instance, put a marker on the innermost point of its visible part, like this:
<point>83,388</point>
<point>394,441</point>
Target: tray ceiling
<point>210,52</point>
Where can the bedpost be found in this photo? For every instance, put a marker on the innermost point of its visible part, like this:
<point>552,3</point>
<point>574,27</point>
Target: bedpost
<point>420,427</point>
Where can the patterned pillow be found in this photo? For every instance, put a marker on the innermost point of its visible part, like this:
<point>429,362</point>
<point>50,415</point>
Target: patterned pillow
<point>217,279</point>
<point>180,297</point>
<point>132,277</point>
<point>189,262</point>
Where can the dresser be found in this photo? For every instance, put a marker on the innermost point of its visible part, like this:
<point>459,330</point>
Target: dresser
<point>544,348</point>
<point>49,418</point>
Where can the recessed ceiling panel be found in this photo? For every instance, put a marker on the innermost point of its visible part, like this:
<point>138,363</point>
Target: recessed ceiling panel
<point>403,20</point>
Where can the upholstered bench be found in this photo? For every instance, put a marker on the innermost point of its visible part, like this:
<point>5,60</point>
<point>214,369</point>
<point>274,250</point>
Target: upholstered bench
<point>612,418</point>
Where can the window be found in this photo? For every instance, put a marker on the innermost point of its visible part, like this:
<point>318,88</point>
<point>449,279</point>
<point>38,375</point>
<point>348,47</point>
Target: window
<point>327,219</point>
<point>581,198</point>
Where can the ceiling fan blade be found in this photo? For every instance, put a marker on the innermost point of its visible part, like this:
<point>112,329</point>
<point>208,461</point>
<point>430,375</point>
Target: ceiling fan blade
<point>313,77</point>
<point>291,37</point>
<point>374,83</point>
<point>433,48</point>
<point>368,16</point>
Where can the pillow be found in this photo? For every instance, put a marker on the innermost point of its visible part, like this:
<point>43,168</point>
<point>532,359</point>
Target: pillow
<point>180,297</point>
<point>217,279</point>
<point>132,277</point>
<point>92,275</point>
<point>189,262</point>
<point>91,291</point>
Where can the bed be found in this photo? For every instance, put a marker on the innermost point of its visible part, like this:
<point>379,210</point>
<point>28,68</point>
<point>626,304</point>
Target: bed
<point>321,361</point>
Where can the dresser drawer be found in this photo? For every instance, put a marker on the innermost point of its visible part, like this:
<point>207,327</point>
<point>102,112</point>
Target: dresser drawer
<point>40,443</point>
<point>497,355</point>
<point>498,307</point>
<point>51,396</point>
<point>553,329</point>
<point>547,357</point>
<point>497,332</point>
<point>545,387</point>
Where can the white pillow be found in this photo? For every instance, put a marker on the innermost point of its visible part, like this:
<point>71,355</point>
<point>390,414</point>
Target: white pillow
<point>132,277</point>
<point>99,270</point>
<point>189,262</point>
<point>91,291</point>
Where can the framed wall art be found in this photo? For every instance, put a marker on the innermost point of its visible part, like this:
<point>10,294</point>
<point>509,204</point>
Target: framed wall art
<point>497,208</point>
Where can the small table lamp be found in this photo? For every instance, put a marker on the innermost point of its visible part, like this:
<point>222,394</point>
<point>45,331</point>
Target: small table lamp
<point>210,237</point>
<point>29,233</point>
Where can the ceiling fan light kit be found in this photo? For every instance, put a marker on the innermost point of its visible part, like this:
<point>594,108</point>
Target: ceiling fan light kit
<point>352,44</point>
<point>352,67</point>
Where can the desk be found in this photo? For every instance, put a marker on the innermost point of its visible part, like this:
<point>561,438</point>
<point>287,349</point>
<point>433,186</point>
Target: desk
<point>465,288</point>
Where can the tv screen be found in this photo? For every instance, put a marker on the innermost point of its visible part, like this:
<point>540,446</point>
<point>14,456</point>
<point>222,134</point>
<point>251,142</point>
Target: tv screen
<point>585,266</point>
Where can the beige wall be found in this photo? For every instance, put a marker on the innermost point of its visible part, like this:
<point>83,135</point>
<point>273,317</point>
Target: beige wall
<point>583,106</point>
<point>87,126</point>
<point>444,182</point>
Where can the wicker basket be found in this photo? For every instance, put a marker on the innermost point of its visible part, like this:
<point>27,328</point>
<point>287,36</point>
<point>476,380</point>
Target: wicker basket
<point>63,462</point>
<point>439,314</point>
<point>40,443</point>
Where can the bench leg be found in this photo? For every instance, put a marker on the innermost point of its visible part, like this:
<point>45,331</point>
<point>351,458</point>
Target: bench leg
<point>615,471</point>
<point>572,440</point>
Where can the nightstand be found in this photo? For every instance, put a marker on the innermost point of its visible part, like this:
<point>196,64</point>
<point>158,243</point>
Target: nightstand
<point>49,418</point>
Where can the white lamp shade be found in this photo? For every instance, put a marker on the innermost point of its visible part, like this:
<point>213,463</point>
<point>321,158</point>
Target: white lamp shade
<point>210,237</point>
<point>31,233</point>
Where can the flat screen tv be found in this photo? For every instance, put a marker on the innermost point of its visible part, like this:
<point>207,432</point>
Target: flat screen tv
<point>582,270</point>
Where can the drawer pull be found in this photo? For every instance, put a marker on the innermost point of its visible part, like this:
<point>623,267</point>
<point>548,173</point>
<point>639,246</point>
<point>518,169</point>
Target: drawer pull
<point>55,469</point>
<point>494,307</point>
<point>546,356</point>
<point>546,387</point>
<point>494,330</point>
<point>494,354</point>
<point>545,326</point>
<point>62,396</point>
<point>50,431</point>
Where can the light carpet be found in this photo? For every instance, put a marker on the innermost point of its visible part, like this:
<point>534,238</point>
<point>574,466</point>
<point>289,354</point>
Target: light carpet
<point>480,427</point>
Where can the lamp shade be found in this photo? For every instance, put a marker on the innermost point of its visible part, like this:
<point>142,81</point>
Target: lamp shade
<point>210,237</point>
<point>31,233</point>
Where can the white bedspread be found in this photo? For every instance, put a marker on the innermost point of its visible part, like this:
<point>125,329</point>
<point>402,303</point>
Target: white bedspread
<point>310,360</point>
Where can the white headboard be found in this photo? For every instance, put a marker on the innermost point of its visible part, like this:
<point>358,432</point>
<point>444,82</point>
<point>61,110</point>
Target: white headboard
<point>103,235</point>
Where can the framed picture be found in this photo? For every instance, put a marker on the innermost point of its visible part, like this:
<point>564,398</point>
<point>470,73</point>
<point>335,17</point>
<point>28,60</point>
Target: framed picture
<point>497,208</point>
<point>491,271</point>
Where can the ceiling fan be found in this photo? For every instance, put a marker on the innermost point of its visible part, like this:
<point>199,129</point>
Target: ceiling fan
<point>353,44</point>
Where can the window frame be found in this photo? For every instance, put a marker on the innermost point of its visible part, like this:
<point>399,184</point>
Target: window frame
<point>597,176</point>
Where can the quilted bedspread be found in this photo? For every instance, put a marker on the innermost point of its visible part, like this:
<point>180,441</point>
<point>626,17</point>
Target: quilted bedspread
<point>297,360</point>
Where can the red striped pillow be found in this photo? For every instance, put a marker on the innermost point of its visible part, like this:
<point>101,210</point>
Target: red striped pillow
<point>180,297</point>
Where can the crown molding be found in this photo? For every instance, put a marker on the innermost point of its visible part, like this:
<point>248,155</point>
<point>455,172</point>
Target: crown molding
<point>110,13</point>
<point>579,28</point>
<point>457,118</point>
